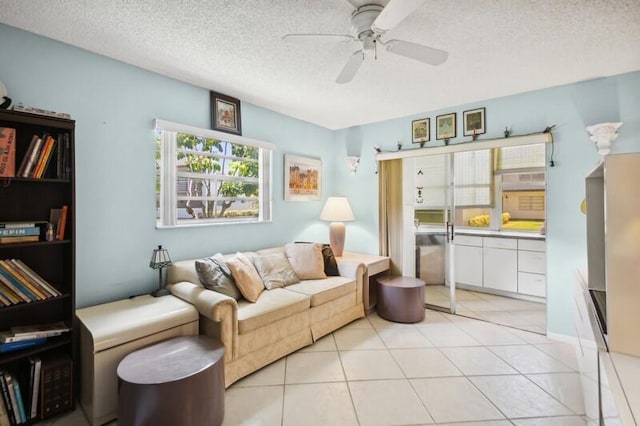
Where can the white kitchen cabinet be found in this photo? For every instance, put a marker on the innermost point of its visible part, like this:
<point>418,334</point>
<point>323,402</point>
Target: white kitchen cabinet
<point>468,265</point>
<point>532,284</point>
<point>532,268</point>
<point>532,261</point>
<point>500,268</point>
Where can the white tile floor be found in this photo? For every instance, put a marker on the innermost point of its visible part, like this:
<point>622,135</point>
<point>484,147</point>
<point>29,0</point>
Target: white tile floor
<point>522,314</point>
<point>445,370</point>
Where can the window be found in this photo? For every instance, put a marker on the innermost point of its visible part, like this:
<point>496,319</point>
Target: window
<point>472,178</point>
<point>521,170</point>
<point>209,177</point>
<point>499,188</point>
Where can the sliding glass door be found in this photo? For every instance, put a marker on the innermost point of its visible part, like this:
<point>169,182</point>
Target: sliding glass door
<point>434,218</point>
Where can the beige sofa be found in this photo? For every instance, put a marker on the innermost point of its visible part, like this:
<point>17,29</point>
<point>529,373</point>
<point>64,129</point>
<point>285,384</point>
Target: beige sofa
<point>282,321</point>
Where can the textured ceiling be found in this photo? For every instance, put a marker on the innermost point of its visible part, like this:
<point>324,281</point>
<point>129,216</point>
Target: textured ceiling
<point>496,48</point>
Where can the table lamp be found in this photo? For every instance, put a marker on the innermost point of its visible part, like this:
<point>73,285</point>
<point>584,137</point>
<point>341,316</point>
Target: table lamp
<point>337,210</point>
<point>160,260</point>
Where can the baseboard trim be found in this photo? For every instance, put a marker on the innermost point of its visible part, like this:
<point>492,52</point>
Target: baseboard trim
<point>573,340</point>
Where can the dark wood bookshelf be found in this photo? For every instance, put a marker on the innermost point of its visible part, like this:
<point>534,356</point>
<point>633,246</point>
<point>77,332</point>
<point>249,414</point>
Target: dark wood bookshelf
<point>28,199</point>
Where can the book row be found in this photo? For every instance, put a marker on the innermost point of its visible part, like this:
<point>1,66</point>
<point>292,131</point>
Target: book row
<point>22,232</point>
<point>38,388</point>
<point>20,284</point>
<point>20,336</point>
<point>43,151</point>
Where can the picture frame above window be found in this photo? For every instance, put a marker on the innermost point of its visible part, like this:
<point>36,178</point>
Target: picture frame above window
<point>302,178</point>
<point>446,126</point>
<point>420,131</point>
<point>474,122</point>
<point>225,113</point>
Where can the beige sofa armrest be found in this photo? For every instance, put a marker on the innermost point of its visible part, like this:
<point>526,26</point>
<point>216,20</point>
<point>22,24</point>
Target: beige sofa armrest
<point>356,270</point>
<point>218,308</point>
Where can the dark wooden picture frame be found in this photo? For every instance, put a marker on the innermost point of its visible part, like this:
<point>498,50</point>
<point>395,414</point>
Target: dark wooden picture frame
<point>420,131</point>
<point>225,113</point>
<point>474,122</point>
<point>446,126</point>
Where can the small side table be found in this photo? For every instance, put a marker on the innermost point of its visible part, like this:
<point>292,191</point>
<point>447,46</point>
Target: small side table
<point>376,266</point>
<point>401,299</point>
<point>110,331</point>
<point>176,382</point>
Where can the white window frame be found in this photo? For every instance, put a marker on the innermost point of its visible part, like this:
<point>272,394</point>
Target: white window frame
<point>169,177</point>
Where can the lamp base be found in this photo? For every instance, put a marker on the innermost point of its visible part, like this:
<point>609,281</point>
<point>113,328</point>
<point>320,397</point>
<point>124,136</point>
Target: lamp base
<point>336,237</point>
<point>160,292</point>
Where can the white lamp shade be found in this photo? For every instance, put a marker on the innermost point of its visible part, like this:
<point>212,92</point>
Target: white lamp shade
<point>337,209</point>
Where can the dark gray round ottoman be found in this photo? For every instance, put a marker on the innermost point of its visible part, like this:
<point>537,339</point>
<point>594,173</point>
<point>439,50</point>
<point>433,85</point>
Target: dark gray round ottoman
<point>401,299</point>
<point>176,382</point>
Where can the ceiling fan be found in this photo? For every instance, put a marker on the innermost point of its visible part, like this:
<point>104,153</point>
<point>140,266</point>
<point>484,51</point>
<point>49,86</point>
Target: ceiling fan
<point>369,23</point>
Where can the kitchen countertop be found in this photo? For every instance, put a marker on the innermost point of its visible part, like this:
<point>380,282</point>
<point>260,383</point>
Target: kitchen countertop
<point>422,230</point>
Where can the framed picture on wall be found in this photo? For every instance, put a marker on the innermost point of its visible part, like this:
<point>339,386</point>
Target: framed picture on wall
<point>302,178</point>
<point>474,122</point>
<point>225,113</point>
<point>420,131</point>
<point>446,126</point>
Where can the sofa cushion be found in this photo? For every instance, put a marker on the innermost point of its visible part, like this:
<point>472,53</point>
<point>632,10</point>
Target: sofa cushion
<point>325,290</point>
<point>247,278</point>
<point>273,305</point>
<point>275,270</point>
<point>306,260</point>
<point>214,274</point>
<point>330,262</point>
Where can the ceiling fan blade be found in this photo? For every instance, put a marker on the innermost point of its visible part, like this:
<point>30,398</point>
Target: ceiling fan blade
<point>350,68</point>
<point>319,37</point>
<point>394,13</point>
<point>416,51</point>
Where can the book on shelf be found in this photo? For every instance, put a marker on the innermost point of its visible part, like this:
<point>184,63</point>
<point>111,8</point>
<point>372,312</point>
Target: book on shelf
<point>19,232</point>
<point>66,160</point>
<point>19,400</point>
<point>56,381</point>
<point>12,225</point>
<point>6,398</point>
<point>8,280</point>
<point>5,301</point>
<point>39,155</point>
<point>27,156</point>
<point>19,239</point>
<point>35,278</point>
<point>9,294</point>
<point>35,366</point>
<point>62,223</point>
<point>40,111</point>
<point>21,282</point>
<point>45,157</point>
<point>4,415</point>
<point>41,330</point>
<point>7,152</point>
<point>21,344</point>
<point>58,217</point>
<point>32,155</point>
<point>14,398</point>
<point>60,156</point>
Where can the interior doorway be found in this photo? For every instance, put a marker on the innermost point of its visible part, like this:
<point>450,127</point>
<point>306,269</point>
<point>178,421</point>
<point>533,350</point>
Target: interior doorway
<point>478,221</point>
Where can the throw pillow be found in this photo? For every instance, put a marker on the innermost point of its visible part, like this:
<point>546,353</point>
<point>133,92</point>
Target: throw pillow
<point>330,263</point>
<point>306,260</point>
<point>275,270</point>
<point>215,275</point>
<point>246,276</point>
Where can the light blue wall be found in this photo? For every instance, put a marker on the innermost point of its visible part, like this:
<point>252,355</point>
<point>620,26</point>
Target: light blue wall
<point>571,108</point>
<point>114,105</point>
